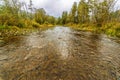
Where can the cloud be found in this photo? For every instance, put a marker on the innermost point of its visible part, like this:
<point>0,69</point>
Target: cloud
<point>54,7</point>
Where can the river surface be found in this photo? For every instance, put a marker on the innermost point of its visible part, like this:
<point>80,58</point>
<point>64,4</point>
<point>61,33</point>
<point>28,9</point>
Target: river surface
<point>60,53</point>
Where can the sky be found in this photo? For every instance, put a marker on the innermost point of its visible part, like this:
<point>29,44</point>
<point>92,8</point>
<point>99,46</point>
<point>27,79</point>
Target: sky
<point>55,7</point>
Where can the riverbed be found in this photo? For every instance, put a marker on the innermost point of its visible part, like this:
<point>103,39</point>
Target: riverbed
<point>60,53</point>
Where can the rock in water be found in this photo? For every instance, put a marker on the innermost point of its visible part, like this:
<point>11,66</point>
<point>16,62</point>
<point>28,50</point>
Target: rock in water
<point>3,57</point>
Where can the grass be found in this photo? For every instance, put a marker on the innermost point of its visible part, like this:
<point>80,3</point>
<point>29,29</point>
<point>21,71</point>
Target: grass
<point>111,29</point>
<point>7,31</point>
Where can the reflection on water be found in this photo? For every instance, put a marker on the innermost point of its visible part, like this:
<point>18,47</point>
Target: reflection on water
<point>61,39</point>
<point>107,46</point>
<point>60,54</point>
<point>58,36</point>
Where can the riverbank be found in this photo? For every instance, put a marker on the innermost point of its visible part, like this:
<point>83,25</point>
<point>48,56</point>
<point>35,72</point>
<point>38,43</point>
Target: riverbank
<point>10,31</point>
<point>110,29</point>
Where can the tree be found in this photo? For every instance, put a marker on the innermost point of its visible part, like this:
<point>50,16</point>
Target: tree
<point>73,13</point>
<point>40,16</point>
<point>10,14</point>
<point>83,12</point>
<point>50,19</point>
<point>31,9</point>
<point>101,10</point>
<point>64,17</point>
<point>59,20</point>
<point>115,16</point>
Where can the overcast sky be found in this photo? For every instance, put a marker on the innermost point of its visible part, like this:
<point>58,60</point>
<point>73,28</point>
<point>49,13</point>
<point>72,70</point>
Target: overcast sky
<point>55,7</point>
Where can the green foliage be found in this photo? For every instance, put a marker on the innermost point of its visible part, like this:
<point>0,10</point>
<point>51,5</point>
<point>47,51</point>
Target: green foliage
<point>111,32</point>
<point>64,17</point>
<point>35,24</point>
<point>115,16</point>
<point>40,16</point>
<point>50,20</point>
<point>83,12</point>
<point>111,29</point>
<point>20,24</point>
<point>59,21</point>
<point>72,15</point>
<point>11,20</point>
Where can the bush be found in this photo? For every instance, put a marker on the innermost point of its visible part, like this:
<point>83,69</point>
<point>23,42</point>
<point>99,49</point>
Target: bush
<point>28,23</point>
<point>112,29</point>
<point>111,32</point>
<point>35,24</point>
<point>21,24</point>
<point>11,20</point>
<point>46,23</point>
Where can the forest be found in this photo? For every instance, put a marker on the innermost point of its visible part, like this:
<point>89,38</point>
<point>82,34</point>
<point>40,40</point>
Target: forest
<point>90,15</point>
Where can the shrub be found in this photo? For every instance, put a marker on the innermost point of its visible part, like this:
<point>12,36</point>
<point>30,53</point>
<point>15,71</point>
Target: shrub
<point>46,23</point>
<point>28,23</point>
<point>35,24</point>
<point>111,32</point>
<point>21,24</point>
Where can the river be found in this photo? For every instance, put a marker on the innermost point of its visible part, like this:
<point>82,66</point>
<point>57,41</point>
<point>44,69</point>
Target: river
<point>60,53</point>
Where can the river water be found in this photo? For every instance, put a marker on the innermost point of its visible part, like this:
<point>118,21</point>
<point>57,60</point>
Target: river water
<point>60,53</point>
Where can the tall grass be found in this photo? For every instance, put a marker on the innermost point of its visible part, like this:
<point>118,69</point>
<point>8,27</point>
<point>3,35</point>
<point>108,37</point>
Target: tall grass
<point>111,28</point>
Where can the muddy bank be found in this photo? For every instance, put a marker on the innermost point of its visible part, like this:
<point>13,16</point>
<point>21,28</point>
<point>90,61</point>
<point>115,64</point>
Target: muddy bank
<point>60,53</point>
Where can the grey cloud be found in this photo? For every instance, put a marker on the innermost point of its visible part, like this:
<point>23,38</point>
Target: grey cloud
<point>56,7</point>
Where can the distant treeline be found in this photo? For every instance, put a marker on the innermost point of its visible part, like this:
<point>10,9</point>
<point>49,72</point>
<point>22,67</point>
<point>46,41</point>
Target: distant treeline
<point>15,13</point>
<point>91,11</point>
